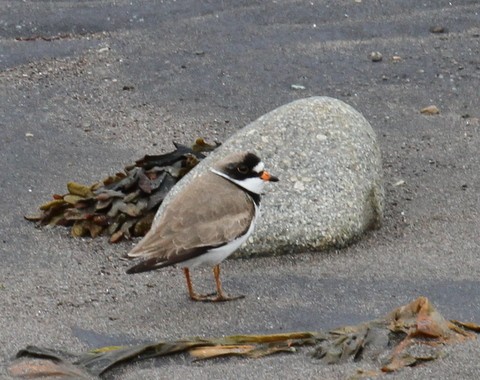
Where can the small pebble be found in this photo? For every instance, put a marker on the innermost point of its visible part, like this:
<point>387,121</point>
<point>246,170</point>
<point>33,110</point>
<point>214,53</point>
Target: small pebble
<point>376,56</point>
<point>438,29</point>
<point>430,110</point>
<point>297,87</point>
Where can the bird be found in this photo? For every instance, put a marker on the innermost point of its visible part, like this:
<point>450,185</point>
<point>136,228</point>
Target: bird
<point>206,222</point>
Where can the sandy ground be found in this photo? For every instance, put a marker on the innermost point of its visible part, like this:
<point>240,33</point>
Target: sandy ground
<point>88,87</point>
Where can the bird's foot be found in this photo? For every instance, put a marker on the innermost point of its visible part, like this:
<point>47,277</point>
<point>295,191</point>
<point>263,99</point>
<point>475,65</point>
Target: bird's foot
<point>215,297</point>
<point>225,297</point>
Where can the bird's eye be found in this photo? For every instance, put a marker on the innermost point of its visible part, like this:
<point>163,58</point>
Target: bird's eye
<point>242,169</point>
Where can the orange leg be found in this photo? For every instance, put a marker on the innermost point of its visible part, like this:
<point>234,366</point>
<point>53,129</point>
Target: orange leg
<point>218,297</point>
<point>191,292</point>
<point>194,296</point>
<point>221,296</point>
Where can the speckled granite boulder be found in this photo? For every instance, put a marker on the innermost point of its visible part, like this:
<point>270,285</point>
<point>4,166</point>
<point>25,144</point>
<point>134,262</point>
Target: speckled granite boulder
<point>328,161</point>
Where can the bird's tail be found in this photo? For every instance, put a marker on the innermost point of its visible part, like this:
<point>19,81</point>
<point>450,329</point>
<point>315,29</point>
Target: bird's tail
<point>148,265</point>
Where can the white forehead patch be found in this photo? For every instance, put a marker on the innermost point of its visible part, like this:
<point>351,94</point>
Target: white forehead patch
<point>260,167</point>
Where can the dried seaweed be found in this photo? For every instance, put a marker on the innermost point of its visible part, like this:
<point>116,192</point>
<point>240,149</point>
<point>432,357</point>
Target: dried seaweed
<point>408,336</point>
<point>124,204</point>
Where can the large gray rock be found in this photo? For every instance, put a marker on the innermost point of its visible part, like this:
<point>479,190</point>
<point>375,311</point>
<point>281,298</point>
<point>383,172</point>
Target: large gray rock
<point>328,161</point>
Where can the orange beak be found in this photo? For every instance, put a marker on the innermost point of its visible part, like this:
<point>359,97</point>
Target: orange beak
<point>266,176</point>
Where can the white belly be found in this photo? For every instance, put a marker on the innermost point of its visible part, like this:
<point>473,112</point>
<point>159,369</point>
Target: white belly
<point>217,255</point>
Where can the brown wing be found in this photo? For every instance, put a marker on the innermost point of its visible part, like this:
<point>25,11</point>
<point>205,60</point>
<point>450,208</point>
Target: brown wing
<point>213,211</point>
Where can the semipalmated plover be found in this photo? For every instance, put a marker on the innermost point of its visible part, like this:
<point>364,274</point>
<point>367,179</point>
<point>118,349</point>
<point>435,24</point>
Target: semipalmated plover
<point>207,221</point>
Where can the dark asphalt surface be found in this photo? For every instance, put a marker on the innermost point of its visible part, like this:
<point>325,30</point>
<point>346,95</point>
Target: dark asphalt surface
<point>88,87</point>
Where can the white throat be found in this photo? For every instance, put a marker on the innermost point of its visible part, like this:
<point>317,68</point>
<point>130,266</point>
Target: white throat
<point>254,184</point>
